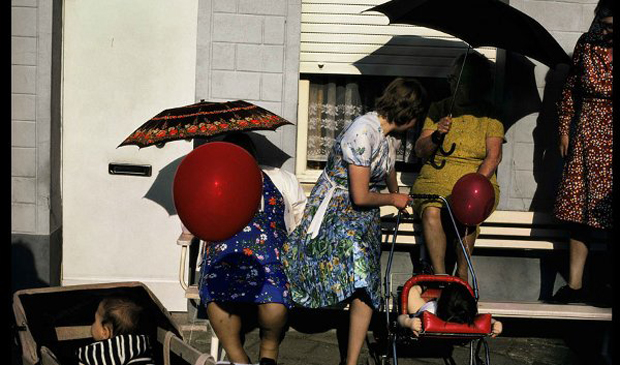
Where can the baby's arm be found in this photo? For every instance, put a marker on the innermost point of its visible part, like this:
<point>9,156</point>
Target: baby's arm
<point>415,324</point>
<point>414,303</point>
<point>414,299</point>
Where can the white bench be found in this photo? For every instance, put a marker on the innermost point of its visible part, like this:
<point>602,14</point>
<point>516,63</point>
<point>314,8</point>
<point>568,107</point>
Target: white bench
<point>503,230</point>
<point>508,230</point>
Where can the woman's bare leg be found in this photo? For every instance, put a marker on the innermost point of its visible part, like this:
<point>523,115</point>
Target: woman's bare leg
<point>462,269</point>
<point>434,238</point>
<point>578,253</point>
<point>271,319</point>
<point>360,315</point>
<point>227,327</point>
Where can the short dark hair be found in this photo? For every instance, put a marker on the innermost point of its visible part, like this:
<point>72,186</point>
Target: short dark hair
<point>456,304</point>
<point>604,9</point>
<point>124,314</point>
<point>242,140</point>
<point>403,100</point>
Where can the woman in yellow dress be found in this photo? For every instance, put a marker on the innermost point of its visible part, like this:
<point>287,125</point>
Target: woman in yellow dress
<point>472,125</point>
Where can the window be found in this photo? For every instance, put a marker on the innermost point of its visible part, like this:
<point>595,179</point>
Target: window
<point>329,103</point>
<point>347,57</point>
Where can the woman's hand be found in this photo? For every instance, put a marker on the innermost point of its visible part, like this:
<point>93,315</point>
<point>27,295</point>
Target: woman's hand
<point>400,200</point>
<point>563,145</point>
<point>444,125</point>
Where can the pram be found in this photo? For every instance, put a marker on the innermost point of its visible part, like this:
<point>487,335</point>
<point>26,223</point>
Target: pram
<point>433,327</point>
<point>52,323</point>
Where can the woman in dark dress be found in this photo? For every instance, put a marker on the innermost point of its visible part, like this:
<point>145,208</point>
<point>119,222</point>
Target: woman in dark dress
<point>586,142</point>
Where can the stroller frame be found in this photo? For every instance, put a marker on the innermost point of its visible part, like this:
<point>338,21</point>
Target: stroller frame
<point>388,297</point>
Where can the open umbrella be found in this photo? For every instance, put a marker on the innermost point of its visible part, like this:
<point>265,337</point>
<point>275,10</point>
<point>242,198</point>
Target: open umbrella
<point>203,119</point>
<point>480,23</point>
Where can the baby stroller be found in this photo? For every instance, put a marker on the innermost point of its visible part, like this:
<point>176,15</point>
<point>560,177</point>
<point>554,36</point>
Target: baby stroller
<point>52,323</point>
<point>432,326</point>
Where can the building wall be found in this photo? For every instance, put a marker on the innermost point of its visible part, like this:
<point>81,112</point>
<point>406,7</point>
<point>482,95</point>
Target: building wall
<point>531,166</point>
<point>35,168</point>
<point>249,49</point>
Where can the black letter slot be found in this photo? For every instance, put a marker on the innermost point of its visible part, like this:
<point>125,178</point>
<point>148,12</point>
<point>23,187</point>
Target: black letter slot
<point>129,169</point>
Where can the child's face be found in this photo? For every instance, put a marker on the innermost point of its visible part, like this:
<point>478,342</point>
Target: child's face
<point>98,330</point>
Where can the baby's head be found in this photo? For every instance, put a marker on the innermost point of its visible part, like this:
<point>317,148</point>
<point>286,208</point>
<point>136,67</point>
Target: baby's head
<point>456,304</point>
<point>116,316</point>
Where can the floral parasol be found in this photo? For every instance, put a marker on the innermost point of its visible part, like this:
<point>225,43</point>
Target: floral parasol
<point>203,119</point>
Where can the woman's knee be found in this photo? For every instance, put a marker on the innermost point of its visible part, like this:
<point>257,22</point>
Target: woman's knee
<point>272,315</point>
<point>432,216</point>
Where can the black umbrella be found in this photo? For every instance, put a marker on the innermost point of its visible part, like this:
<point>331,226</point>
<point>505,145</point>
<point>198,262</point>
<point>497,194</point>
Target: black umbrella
<point>480,23</point>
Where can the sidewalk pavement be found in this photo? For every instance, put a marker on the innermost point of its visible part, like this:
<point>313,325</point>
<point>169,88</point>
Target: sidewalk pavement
<point>524,342</point>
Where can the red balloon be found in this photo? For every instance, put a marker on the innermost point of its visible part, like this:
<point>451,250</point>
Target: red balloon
<point>472,199</point>
<point>217,190</point>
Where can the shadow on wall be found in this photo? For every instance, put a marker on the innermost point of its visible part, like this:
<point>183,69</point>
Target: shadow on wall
<point>24,273</point>
<point>547,170</point>
<point>161,190</point>
<point>548,163</point>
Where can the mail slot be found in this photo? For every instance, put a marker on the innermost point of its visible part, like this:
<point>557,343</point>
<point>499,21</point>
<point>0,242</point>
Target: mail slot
<point>129,169</point>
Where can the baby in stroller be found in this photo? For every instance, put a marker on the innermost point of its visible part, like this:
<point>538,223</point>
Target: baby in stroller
<point>455,304</point>
<point>119,333</point>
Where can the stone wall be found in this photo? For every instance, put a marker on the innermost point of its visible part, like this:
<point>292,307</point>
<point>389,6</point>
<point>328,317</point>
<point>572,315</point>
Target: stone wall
<point>35,135</point>
<point>249,49</point>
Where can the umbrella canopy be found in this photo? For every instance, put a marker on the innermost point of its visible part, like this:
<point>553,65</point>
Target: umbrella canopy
<point>480,23</point>
<point>203,119</point>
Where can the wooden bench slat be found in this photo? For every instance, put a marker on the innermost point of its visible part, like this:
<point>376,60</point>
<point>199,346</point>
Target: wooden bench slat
<point>544,310</point>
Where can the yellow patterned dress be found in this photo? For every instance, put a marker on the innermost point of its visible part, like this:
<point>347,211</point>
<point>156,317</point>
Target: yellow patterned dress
<point>471,126</point>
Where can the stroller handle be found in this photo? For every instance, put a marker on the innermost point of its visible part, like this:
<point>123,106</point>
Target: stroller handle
<point>425,196</point>
<point>449,209</point>
<point>427,278</point>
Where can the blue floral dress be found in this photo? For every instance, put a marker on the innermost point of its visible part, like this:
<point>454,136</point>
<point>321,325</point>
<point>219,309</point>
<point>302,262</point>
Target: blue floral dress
<point>333,253</point>
<point>246,268</point>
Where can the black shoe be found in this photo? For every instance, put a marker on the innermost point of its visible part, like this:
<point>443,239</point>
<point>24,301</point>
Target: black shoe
<point>603,298</point>
<point>266,361</point>
<point>566,295</point>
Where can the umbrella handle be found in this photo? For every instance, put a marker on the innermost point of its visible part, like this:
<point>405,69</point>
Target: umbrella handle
<point>435,165</point>
<point>449,152</point>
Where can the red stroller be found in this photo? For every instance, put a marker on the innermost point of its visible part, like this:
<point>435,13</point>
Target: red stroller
<point>432,326</point>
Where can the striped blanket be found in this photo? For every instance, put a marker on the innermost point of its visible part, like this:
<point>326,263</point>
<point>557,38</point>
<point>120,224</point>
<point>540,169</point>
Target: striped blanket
<point>118,350</point>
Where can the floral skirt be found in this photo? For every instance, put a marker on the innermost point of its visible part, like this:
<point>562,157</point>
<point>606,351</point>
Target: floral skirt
<point>344,257</point>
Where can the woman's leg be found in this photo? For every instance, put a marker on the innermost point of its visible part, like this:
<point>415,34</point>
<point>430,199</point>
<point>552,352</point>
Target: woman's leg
<point>360,314</point>
<point>462,269</point>
<point>271,319</point>
<point>227,327</point>
<point>434,238</point>
<point>578,253</point>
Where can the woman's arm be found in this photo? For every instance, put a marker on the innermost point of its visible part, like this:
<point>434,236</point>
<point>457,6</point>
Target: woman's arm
<point>493,158</point>
<point>359,182</point>
<point>427,142</point>
<point>392,182</point>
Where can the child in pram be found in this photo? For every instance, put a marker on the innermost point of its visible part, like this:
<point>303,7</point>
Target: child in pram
<point>455,304</point>
<point>118,331</point>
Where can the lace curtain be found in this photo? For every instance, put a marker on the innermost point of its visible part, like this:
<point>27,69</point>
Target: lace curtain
<point>335,101</point>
